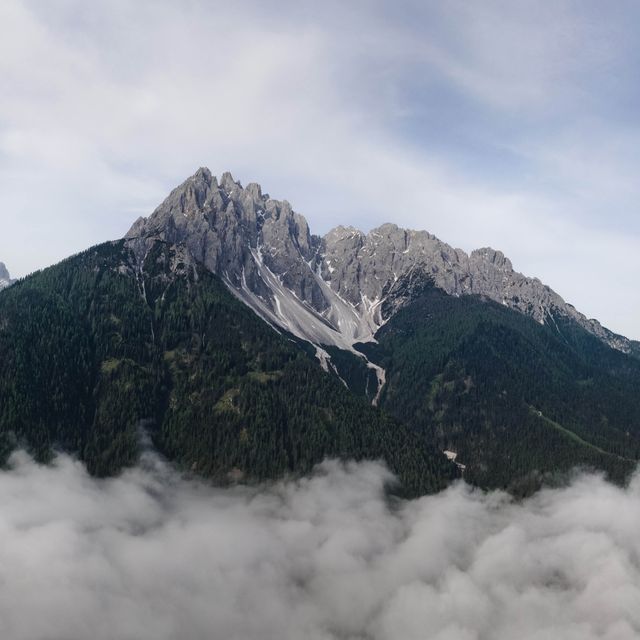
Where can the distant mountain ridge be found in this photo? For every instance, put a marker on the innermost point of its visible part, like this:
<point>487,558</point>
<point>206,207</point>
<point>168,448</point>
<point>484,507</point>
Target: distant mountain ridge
<point>5,278</point>
<point>341,288</point>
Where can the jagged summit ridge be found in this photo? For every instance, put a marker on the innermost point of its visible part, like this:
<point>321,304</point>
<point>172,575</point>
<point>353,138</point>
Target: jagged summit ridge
<point>340,288</point>
<point>262,249</point>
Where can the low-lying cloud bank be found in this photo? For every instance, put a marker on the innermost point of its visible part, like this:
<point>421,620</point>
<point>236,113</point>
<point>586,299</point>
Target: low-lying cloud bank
<point>150,555</point>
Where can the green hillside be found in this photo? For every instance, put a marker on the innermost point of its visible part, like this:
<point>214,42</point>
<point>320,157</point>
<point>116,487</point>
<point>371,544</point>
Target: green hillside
<point>103,345</point>
<point>515,399</point>
<point>107,345</point>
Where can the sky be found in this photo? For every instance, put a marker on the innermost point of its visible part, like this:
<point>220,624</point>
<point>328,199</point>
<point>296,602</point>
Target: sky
<point>152,556</point>
<point>510,124</point>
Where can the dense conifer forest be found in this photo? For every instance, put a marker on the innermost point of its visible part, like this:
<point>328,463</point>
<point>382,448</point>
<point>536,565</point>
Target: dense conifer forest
<point>518,401</point>
<point>107,344</point>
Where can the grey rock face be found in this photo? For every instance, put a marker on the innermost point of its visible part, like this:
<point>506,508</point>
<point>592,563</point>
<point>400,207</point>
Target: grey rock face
<point>365,268</point>
<point>341,288</point>
<point>261,248</point>
<point>5,278</point>
<point>226,227</point>
<point>362,266</point>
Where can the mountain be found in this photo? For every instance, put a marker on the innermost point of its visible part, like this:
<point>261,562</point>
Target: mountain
<point>5,278</point>
<point>248,348</point>
<point>341,288</point>
<point>515,400</point>
<point>107,348</point>
<point>523,384</point>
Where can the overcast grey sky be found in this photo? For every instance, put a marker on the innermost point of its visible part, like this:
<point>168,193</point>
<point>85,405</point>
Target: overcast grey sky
<point>512,124</point>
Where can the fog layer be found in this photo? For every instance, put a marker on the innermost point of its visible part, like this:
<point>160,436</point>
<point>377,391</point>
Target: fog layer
<point>150,555</point>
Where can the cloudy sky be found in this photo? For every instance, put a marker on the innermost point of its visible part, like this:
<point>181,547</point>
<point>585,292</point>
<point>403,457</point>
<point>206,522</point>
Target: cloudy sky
<point>501,123</point>
<point>150,556</point>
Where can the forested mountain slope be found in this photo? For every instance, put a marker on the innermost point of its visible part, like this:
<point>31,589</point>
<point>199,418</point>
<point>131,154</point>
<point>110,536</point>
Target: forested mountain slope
<point>513,398</point>
<point>111,341</point>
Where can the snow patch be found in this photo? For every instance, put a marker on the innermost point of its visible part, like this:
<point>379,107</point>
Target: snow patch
<point>342,324</point>
<point>452,456</point>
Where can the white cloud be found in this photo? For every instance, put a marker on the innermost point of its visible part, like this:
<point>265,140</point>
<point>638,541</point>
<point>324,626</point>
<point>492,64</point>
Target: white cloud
<point>107,106</point>
<point>523,55</point>
<point>152,555</point>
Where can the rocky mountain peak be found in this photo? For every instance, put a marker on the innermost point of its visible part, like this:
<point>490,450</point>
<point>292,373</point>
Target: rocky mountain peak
<point>5,278</point>
<point>254,190</point>
<point>227,182</point>
<point>341,288</point>
<point>202,174</point>
<point>491,256</point>
<point>248,238</point>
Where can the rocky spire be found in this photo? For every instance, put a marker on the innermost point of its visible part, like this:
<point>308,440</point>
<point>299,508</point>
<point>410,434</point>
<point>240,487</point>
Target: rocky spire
<point>238,233</point>
<point>5,278</point>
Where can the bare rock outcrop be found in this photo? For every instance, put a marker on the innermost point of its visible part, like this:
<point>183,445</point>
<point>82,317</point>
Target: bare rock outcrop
<point>338,289</point>
<point>5,278</point>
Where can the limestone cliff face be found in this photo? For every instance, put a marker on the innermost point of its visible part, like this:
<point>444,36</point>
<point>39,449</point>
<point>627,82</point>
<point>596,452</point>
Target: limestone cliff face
<point>340,288</point>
